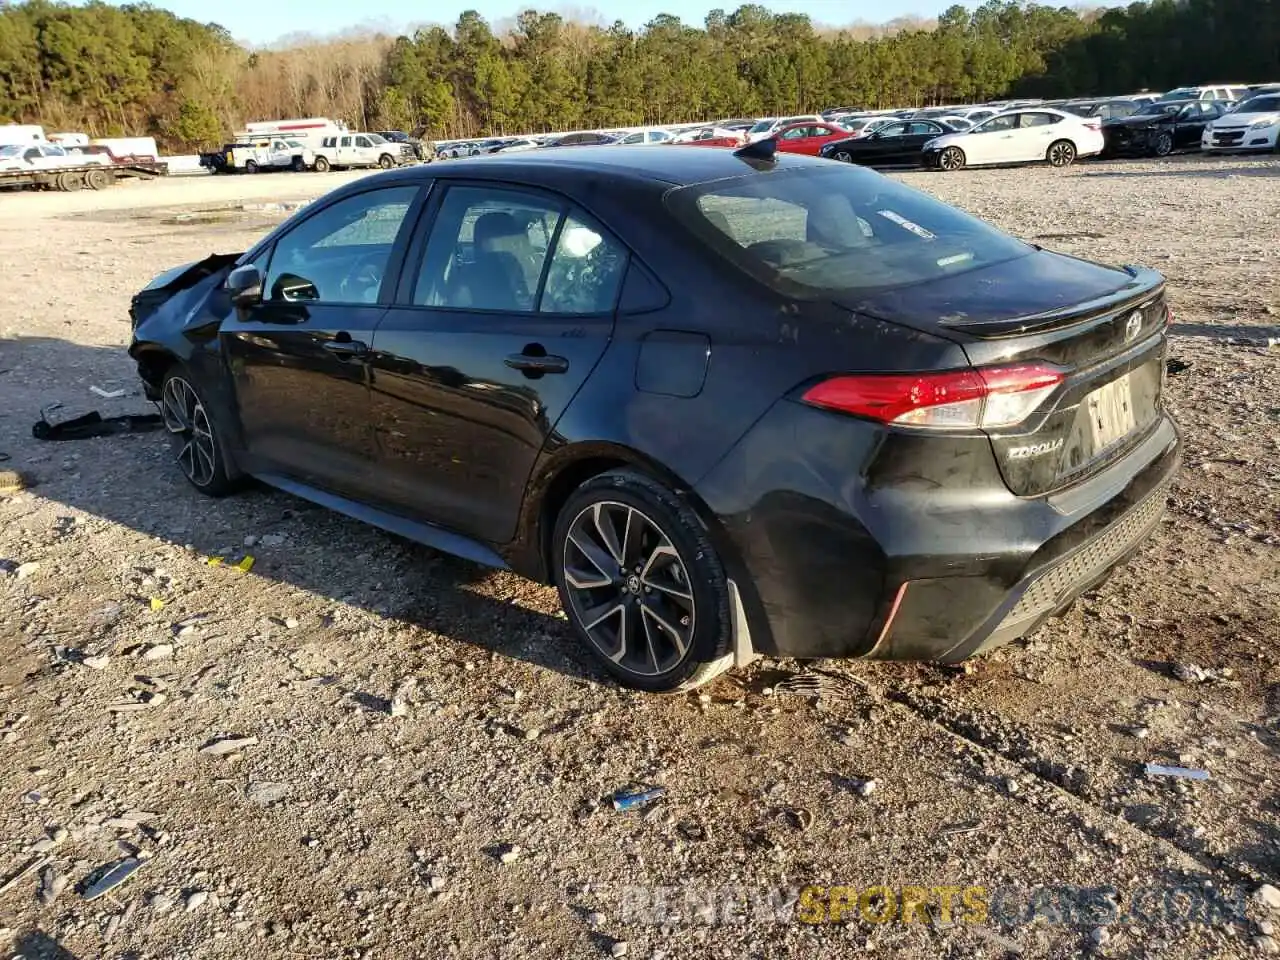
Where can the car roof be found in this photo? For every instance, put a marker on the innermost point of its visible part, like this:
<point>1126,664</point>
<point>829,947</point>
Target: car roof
<point>676,165</point>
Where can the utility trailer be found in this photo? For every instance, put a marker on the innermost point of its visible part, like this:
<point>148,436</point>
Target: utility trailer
<point>92,176</point>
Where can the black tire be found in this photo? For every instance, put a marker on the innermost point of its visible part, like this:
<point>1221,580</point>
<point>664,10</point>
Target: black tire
<point>322,165</point>
<point>204,460</point>
<point>669,570</point>
<point>386,161</point>
<point>251,166</point>
<point>952,159</point>
<point>844,156</point>
<point>1163,145</point>
<point>1061,153</point>
<point>99,179</point>
<point>298,165</point>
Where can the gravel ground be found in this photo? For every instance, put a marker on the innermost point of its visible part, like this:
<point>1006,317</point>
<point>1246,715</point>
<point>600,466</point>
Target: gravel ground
<point>470,820</point>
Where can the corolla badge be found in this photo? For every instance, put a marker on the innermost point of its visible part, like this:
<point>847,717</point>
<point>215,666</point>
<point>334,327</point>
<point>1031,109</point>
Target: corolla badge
<point>1036,449</point>
<point>1133,326</point>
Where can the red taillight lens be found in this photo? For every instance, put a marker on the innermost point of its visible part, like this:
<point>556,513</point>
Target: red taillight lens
<point>958,399</point>
<point>1168,315</point>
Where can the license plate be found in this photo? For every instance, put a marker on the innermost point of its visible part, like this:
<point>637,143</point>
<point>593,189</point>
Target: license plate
<point>1111,415</point>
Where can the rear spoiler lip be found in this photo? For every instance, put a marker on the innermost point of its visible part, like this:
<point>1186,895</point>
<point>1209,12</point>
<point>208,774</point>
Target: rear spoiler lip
<point>1145,285</point>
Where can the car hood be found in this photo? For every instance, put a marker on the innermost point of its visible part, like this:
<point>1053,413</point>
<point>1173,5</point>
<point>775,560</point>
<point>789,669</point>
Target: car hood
<point>1229,121</point>
<point>1008,296</point>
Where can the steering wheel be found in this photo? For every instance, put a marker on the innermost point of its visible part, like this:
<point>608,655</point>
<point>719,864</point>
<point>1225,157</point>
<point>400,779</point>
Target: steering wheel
<point>363,281</point>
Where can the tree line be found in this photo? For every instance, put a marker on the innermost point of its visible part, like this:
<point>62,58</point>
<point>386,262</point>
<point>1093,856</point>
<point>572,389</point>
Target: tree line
<point>135,69</point>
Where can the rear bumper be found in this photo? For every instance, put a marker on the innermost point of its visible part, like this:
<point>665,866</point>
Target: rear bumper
<point>928,557</point>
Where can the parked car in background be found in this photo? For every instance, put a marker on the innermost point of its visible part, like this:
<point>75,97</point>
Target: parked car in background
<point>1252,125</point>
<point>865,125</point>
<point>583,140</point>
<point>361,150</point>
<point>1103,109</point>
<point>958,124</point>
<point>808,138</point>
<point>1217,91</point>
<point>898,143</point>
<point>645,136</point>
<point>711,137</point>
<point>979,114</point>
<point>1018,136</point>
<point>767,126</point>
<point>517,145</point>
<point>1160,128</point>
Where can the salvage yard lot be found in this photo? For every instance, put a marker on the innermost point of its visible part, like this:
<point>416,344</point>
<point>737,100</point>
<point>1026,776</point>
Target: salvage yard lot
<point>345,831</point>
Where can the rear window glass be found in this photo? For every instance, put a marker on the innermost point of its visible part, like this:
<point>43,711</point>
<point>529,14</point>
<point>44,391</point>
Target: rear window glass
<point>811,232</point>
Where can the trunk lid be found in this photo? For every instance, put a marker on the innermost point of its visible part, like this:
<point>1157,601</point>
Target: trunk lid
<point>1103,328</point>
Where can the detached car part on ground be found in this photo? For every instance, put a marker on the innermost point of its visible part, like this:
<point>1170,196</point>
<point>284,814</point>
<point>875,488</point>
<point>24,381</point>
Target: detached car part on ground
<point>730,403</point>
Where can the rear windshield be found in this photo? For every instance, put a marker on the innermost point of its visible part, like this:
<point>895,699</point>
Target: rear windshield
<point>810,232</point>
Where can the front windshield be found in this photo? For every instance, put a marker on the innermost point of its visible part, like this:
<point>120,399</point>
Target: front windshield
<point>374,138</point>
<point>762,127</point>
<point>811,233</point>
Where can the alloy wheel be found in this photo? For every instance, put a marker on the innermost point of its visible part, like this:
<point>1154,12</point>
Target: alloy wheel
<point>189,429</point>
<point>628,588</point>
<point>952,159</point>
<point>1062,154</point>
<point>1164,145</point>
<point>844,156</point>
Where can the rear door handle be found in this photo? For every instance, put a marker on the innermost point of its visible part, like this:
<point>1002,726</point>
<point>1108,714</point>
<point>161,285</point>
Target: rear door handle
<point>346,348</point>
<point>531,364</point>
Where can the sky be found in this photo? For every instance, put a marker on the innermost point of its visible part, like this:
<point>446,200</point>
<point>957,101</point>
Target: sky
<point>257,23</point>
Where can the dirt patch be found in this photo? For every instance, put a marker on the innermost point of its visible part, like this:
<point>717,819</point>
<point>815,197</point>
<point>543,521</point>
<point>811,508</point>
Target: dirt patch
<point>473,820</point>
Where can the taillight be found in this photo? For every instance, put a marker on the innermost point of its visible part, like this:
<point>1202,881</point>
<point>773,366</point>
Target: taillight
<point>1094,125</point>
<point>1168,314</point>
<point>985,397</point>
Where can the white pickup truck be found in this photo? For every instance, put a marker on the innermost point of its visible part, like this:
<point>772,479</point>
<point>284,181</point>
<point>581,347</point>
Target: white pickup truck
<point>269,154</point>
<point>362,150</point>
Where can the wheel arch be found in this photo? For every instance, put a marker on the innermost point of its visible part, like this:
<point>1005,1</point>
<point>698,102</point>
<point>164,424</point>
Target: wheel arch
<point>562,472</point>
<point>154,360</point>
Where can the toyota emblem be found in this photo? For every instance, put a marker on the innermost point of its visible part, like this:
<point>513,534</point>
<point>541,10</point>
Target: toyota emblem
<point>1133,326</point>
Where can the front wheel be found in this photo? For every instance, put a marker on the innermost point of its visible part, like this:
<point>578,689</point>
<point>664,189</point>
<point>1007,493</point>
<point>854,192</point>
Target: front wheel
<point>641,583</point>
<point>952,158</point>
<point>251,167</point>
<point>1061,153</point>
<point>1163,145</point>
<point>844,156</point>
<point>386,162</point>
<point>194,437</point>
<point>322,165</point>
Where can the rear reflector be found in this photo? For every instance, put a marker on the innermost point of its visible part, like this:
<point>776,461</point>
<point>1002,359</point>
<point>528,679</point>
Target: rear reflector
<point>985,397</point>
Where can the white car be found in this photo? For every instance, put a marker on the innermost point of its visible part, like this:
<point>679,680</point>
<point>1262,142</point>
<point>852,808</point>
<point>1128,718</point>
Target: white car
<point>646,136</point>
<point>1254,125</point>
<point>45,156</point>
<point>1018,136</point>
<point>766,126</point>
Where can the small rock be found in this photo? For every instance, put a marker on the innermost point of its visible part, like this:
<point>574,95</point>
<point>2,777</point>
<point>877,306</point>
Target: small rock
<point>865,788</point>
<point>619,948</point>
<point>1266,945</point>
<point>533,733</point>
<point>402,696</point>
<point>272,540</point>
<point>52,883</point>
<point>25,570</point>
<point>267,793</point>
<point>161,903</point>
<point>596,919</point>
<point>436,883</point>
<point>158,651</point>
<point>1266,927</point>
<point>509,852</point>
<point>251,541</point>
<point>291,623</point>
<point>1140,733</point>
<point>98,662</point>
<point>1012,785</point>
<point>197,900</point>
<point>58,835</point>
<point>220,748</point>
<point>1268,896</point>
<point>1100,936</point>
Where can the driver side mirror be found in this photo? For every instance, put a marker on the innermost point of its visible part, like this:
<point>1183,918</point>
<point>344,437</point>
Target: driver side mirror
<point>244,284</point>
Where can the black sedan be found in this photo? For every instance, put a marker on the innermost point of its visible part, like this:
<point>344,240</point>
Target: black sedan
<point>1160,128</point>
<point>892,145</point>
<point>730,403</point>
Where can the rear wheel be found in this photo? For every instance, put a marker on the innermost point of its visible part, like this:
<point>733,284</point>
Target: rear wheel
<point>99,179</point>
<point>322,165</point>
<point>641,583</point>
<point>298,164</point>
<point>1061,153</point>
<point>386,162</point>
<point>196,442</point>
<point>251,166</point>
<point>1163,145</point>
<point>952,158</point>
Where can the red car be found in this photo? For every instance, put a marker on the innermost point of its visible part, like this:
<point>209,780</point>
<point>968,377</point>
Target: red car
<point>808,138</point>
<point>712,137</point>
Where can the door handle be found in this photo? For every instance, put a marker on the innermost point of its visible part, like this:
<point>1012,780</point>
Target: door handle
<point>535,365</point>
<point>346,348</point>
